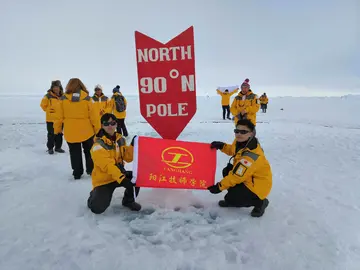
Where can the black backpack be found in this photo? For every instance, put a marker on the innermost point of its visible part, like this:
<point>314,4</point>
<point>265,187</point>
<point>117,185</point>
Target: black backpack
<point>120,103</point>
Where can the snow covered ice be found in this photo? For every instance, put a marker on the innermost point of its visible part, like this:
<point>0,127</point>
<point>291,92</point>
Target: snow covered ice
<point>312,222</point>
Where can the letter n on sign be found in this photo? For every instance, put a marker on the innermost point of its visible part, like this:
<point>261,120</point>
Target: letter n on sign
<point>167,82</point>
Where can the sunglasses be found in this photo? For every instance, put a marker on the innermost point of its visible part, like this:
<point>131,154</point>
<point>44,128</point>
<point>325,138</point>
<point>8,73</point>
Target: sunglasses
<point>112,123</point>
<point>241,131</point>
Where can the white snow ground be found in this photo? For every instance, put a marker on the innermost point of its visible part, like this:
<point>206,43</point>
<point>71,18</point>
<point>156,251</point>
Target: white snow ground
<point>312,221</point>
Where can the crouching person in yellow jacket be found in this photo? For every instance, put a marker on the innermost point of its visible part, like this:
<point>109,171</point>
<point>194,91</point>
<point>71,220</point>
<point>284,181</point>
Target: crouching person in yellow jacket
<point>249,179</point>
<point>109,153</point>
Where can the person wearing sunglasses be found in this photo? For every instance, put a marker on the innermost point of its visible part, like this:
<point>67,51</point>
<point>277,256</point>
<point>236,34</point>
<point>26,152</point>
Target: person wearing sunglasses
<point>248,180</point>
<point>109,153</point>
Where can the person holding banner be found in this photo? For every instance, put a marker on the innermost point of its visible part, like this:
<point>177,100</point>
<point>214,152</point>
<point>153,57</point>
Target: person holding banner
<point>225,100</point>
<point>246,104</point>
<point>109,153</point>
<point>249,179</point>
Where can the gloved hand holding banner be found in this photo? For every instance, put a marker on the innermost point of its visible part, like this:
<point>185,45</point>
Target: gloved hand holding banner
<point>162,163</point>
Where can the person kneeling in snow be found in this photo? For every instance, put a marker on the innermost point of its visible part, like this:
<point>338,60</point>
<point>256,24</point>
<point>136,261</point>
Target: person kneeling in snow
<point>249,180</point>
<point>109,153</point>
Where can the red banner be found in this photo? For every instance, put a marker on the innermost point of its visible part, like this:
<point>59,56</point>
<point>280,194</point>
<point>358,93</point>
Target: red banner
<point>161,163</point>
<point>166,81</point>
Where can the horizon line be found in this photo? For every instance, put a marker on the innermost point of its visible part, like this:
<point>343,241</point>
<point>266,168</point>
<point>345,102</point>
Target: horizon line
<point>198,95</point>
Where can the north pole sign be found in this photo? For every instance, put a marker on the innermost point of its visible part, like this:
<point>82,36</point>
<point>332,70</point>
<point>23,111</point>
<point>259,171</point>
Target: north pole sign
<point>166,81</point>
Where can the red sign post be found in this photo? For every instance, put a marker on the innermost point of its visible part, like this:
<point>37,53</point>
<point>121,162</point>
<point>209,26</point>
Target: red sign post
<point>166,81</point>
<point>162,163</point>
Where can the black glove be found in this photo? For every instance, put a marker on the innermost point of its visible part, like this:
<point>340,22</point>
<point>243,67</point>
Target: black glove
<point>132,141</point>
<point>215,189</point>
<point>217,145</point>
<point>227,169</point>
<point>126,183</point>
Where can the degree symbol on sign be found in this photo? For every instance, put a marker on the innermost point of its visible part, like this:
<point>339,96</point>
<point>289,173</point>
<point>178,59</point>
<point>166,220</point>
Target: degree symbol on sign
<point>174,73</point>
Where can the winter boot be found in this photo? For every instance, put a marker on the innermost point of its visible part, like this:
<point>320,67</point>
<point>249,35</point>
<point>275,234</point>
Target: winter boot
<point>133,206</point>
<point>259,211</point>
<point>224,203</point>
<point>59,150</point>
<point>51,151</point>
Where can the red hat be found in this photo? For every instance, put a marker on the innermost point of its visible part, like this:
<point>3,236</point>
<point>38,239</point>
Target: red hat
<point>246,83</point>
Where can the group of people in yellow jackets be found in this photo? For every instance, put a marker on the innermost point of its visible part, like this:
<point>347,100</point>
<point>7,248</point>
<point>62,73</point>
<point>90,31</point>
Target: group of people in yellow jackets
<point>96,125</point>
<point>93,123</point>
<point>76,114</point>
<point>245,105</point>
<point>247,177</point>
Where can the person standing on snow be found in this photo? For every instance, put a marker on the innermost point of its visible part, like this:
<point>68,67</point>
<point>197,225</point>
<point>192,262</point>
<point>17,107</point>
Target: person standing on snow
<point>246,104</point>
<point>225,101</point>
<point>101,102</point>
<point>109,153</point>
<point>249,179</point>
<point>50,104</point>
<point>118,105</point>
<point>264,101</point>
<point>81,123</point>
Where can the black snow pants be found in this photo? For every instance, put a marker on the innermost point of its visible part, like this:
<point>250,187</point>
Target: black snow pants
<point>239,195</point>
<point>100,197</point>
<point>76,157</point>
<point>52,139</point>
<point>226,110</point>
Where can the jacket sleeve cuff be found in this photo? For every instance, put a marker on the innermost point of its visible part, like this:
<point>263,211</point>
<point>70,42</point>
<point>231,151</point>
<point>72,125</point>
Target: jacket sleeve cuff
<point>122,177</point>
<point>221,186</point>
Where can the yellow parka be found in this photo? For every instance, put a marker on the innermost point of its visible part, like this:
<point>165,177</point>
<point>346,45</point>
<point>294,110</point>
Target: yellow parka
<point>101,104</point>
<point>249,103</point>
<point>119,115</point>
<point>50,104</point>
<point>106,154</point>
<point>250,167</point>
<point>264,100</point>
<point>77,113</point>
<point>225,97</point>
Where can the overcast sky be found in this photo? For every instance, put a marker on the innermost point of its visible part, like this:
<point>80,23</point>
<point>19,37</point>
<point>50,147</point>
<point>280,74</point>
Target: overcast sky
<point>284,47</point>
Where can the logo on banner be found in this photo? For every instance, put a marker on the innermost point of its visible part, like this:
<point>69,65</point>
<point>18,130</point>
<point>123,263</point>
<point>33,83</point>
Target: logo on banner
<point>177,157</point>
